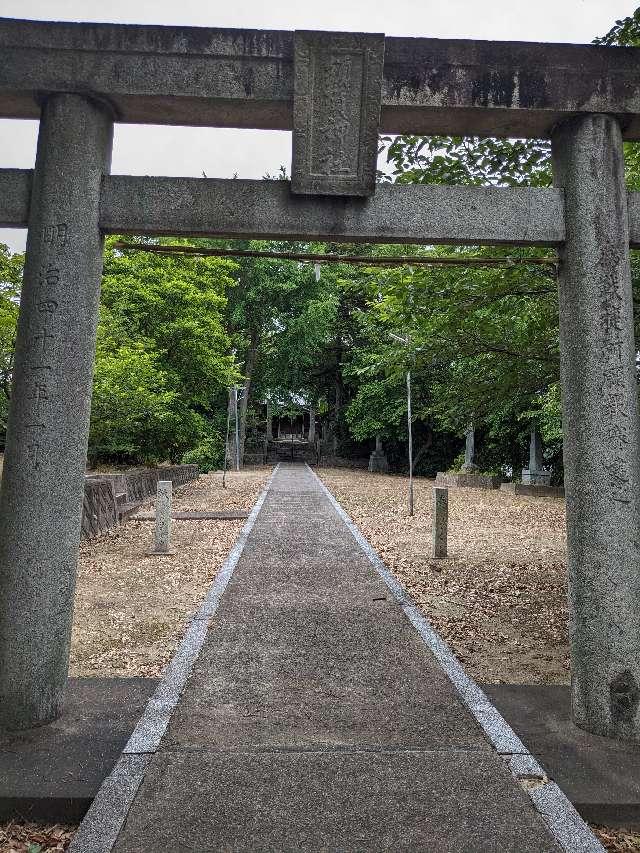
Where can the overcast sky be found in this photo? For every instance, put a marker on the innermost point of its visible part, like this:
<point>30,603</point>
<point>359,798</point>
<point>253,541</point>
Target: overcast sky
<point>144,150</point>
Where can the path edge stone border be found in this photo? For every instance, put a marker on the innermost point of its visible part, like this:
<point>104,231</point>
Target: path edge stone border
<point>568,828</point>
<point>106,816</point>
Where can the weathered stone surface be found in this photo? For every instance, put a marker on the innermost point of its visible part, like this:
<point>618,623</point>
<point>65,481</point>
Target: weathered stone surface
<point>535,474</point>
<point>440,522</point>
<point>46,450</point>
<point>163,516</point>
<point>470,466</point>
<point>152,74</point>
<point>601,776</point>
<point>264,682</point>
<point>52,773</point>
<point>336,112</point>
<point>244,78</point>
<point>467,481</point>
<point>396,213</point>
<point>365,801</point>
<point>533,490</point>
<point>15,192</point>
<point>519,216</point>
<point>601,428</point>
<point>378,462</point>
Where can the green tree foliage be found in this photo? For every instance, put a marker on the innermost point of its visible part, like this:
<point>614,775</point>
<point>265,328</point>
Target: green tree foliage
<point>163,360</point>
<point>624,33</point>
<point>11,266</point>
<point>468,160</point>
<point>485,341</point>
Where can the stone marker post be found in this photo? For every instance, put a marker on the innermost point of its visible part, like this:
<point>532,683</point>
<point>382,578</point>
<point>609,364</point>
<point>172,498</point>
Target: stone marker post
<point>440,522</point>
<point>378,462</point>
<point>46,450</point>
<point>536,462</point>
<point>163,516</point>
<point>312,426</point>
<point>535,474</point>
<point>600,419</point>
<point>470,451</point>
<point>269,432</point>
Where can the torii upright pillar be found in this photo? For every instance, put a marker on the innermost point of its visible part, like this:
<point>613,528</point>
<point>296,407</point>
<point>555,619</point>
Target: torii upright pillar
<point>46,450</point>
<point>601,429</point>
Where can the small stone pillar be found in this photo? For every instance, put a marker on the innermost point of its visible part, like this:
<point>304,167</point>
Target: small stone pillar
<point>46,451</point>
<point>378,462</point>
<point>601,428</point>
<point>269,422</point>
<point>470,466</point>
<point>440,522</point>
<point>535,474</point>
<point>312,425</point>
<point>163,516</point>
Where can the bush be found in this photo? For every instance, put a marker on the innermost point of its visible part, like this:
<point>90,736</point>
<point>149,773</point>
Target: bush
<point>209,454</point>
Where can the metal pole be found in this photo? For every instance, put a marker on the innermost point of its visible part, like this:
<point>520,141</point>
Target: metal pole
<point>410,442</point>
<point>226,444</point>
<point>235,407</point>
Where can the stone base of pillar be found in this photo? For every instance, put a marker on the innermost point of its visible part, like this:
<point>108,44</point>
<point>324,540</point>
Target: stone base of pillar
<point>463,480</point>
<point>533,491</point>
<point>469,468</point>
<point>536,478</point>
<point>378,463</point>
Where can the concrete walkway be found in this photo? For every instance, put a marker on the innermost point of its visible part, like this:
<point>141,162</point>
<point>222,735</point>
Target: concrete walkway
<point>316,717</point>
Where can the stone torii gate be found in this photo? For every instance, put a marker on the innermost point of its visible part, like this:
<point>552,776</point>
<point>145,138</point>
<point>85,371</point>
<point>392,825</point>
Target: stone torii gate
<point>336,92</point>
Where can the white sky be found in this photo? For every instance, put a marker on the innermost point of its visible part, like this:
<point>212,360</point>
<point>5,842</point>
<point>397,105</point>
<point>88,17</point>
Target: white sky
<point>144,150</point>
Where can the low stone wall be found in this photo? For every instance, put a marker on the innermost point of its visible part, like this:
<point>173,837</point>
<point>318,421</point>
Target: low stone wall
<point>532,490</point>
<point>342,462</point>
<point>458,479</point>
<point>99,508</point>
<point>111,498</point>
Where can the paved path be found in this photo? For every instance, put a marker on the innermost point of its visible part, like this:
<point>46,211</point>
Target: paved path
<point>316,718</point>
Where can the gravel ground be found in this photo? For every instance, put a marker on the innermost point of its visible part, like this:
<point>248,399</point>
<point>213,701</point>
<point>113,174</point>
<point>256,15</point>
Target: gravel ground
<point>499,599</point>
<point>131,608</point>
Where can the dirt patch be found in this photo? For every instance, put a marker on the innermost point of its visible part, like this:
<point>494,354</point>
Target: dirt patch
<point>19,837</point>
<point>131,608</point>
<point>499,599</point>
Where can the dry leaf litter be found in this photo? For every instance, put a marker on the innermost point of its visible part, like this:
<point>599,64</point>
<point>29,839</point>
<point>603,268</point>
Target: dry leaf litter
<point>499,599</point>
<point>131,608</point>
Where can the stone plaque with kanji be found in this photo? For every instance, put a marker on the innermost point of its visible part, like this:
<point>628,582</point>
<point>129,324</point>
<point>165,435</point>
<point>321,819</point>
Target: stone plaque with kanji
<point>336,112</point>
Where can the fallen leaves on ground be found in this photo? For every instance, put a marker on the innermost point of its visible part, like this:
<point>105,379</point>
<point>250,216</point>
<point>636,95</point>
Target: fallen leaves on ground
<point>618,840</point>
<point>131,608</point>
<point>499,599</point>
<point>19,837</point>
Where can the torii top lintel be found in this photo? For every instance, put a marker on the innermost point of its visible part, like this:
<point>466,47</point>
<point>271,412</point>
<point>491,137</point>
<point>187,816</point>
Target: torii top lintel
<point>244,78</point>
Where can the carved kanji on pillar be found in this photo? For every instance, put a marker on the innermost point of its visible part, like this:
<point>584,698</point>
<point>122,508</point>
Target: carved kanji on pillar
<point>336,112</point>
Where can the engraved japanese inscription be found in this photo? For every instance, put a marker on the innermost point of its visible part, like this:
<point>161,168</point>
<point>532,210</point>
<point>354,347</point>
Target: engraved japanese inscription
<point>336,112</point>
<point>45,330</point>
<point>617,459</point>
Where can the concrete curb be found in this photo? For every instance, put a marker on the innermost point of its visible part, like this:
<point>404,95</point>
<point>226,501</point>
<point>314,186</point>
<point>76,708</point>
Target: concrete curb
<point>101,826</point>
<point>567,827</point>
